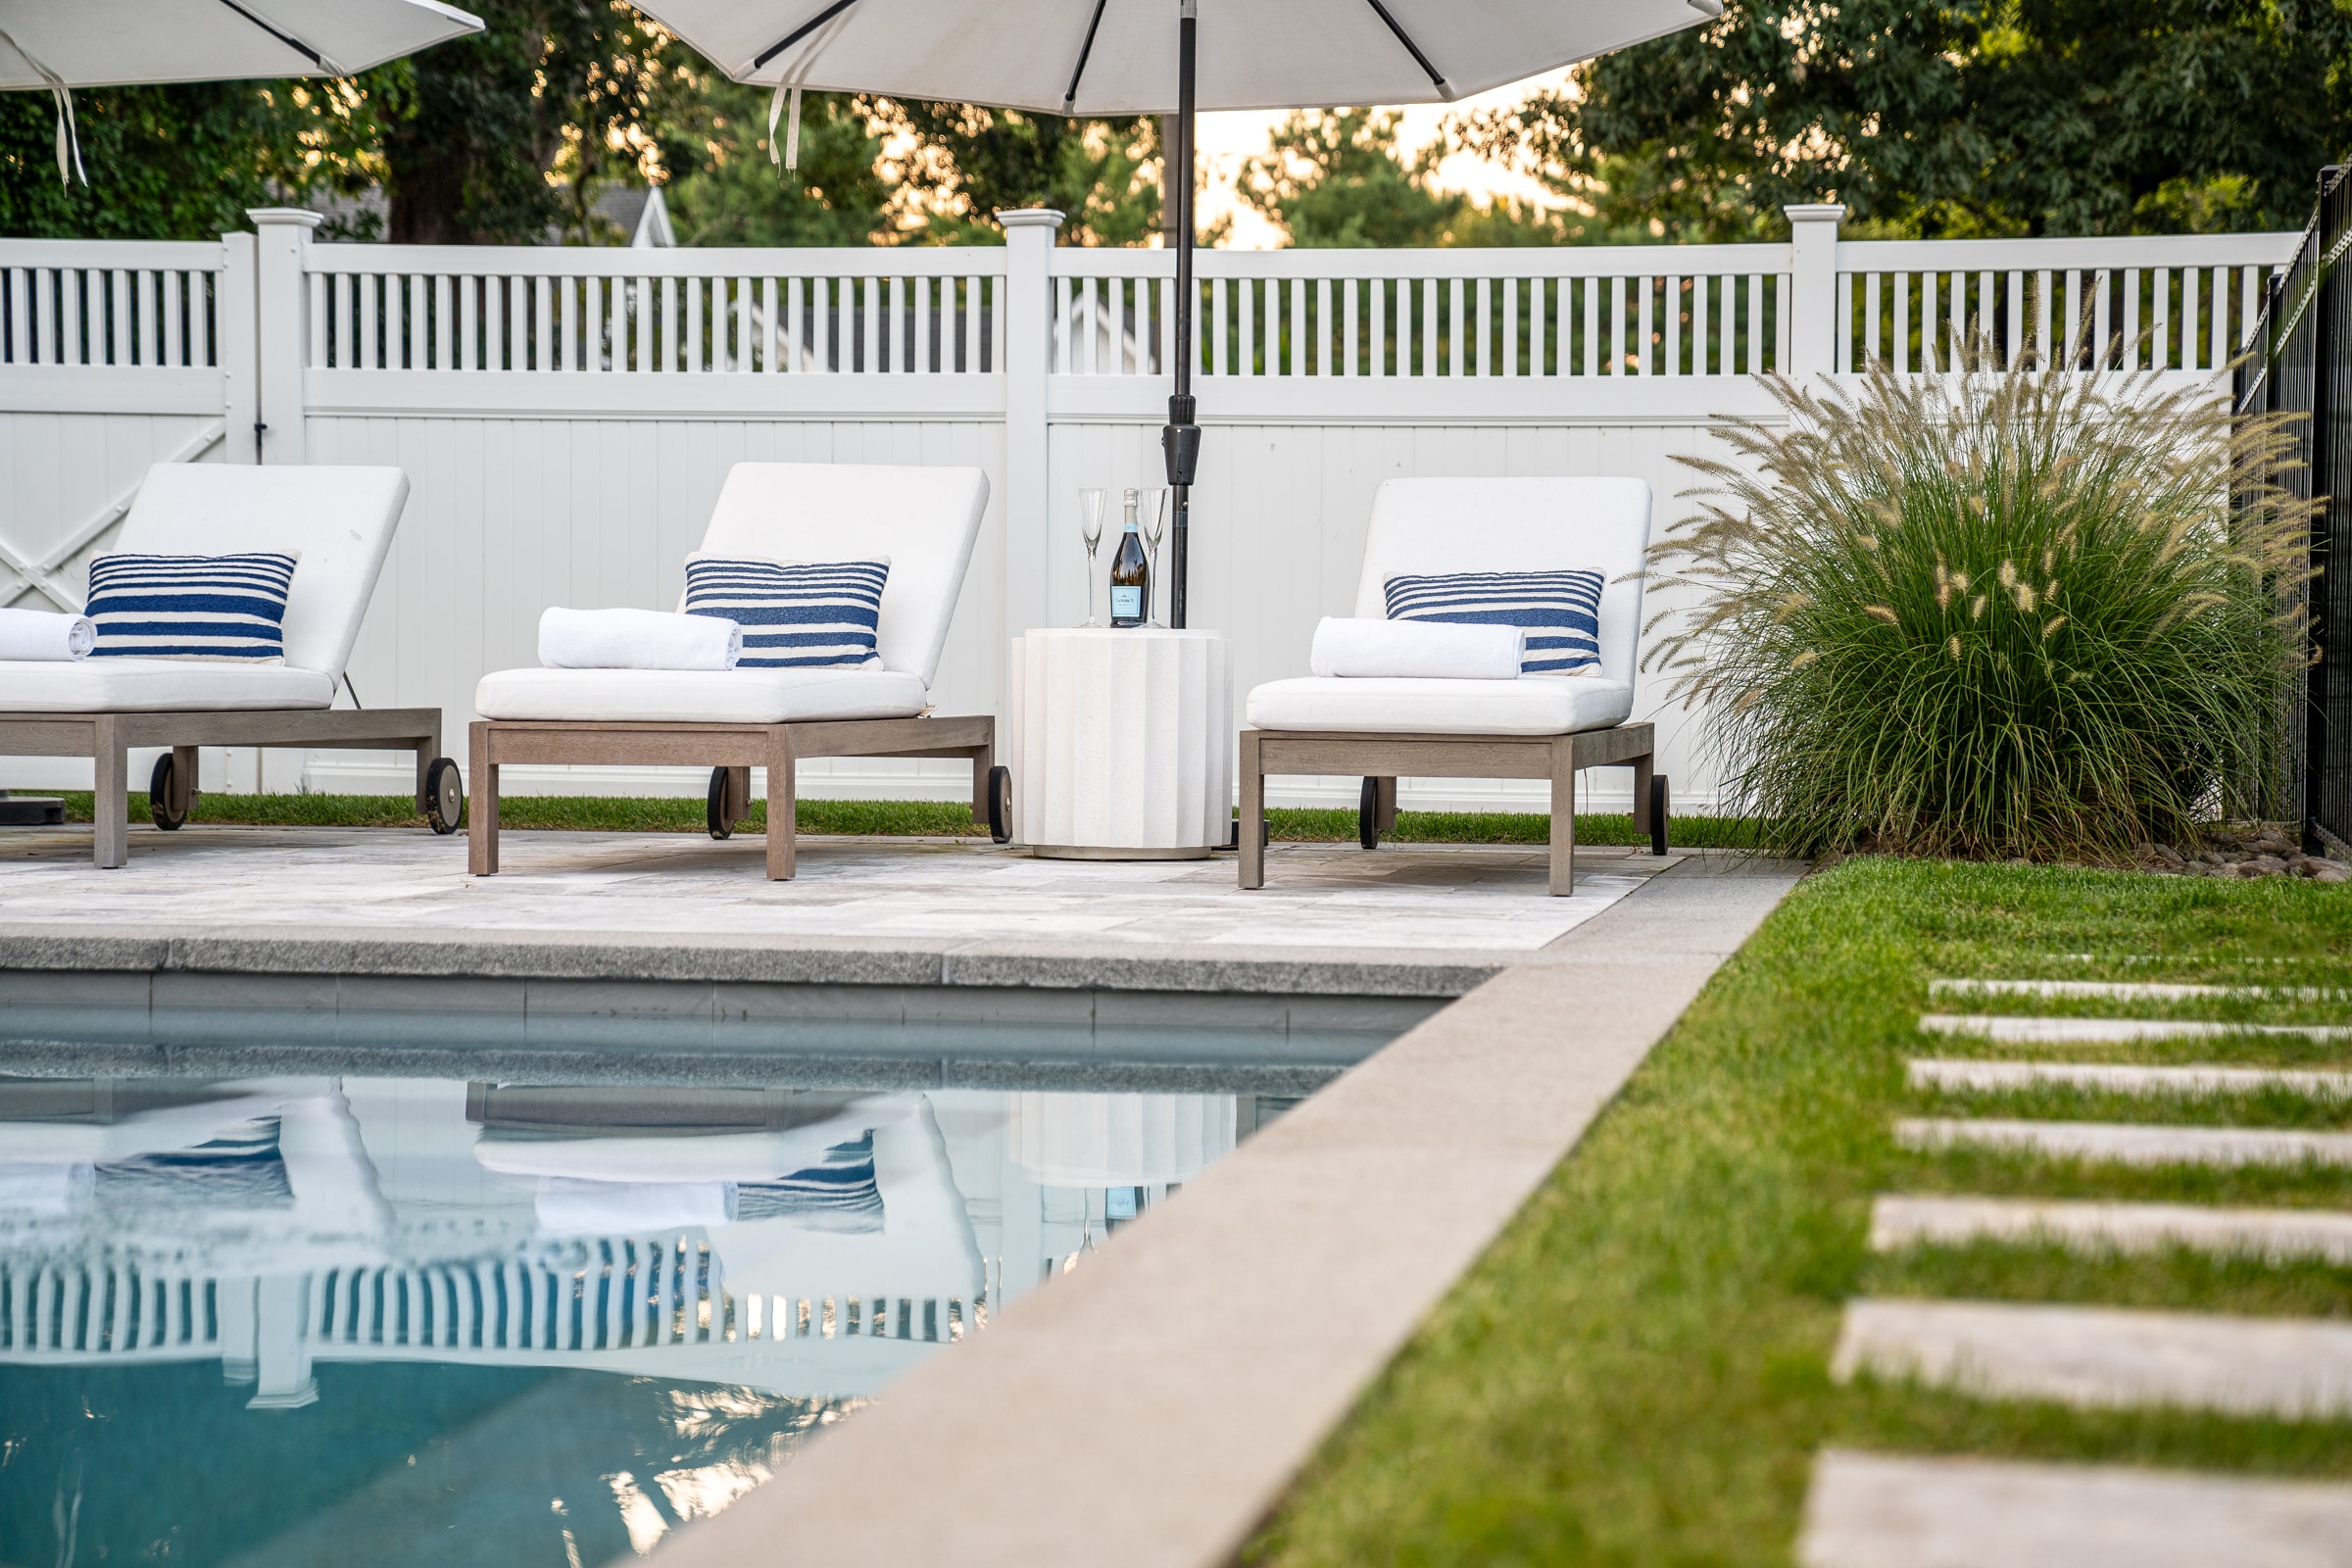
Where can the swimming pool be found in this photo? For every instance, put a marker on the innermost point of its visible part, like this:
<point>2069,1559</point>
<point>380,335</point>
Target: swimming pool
<point>370,1318</point>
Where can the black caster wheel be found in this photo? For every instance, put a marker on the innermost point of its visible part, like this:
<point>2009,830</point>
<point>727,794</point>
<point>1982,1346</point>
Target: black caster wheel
<point>159,796</point>
<point>444,796</point>
<point>999,803</point>
<point>1367,815</point>
<point>721,825</point>
<point>1658,813</point>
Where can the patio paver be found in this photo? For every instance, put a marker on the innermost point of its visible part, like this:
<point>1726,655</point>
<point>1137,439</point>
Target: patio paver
<point>2129,1145</point>
<point>2126,1079</point>
<point>2274,1235</point>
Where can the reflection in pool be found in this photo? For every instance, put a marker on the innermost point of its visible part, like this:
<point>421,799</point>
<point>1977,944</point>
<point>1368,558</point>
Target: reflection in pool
<point>371,1321</point>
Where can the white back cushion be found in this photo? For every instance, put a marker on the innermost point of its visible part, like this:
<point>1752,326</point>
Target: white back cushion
<point>924,519</point>
<point>339,521</point>
<point>1517,525</point>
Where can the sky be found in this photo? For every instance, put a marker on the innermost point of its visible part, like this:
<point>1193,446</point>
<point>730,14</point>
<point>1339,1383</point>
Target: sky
<point>1228,139</point>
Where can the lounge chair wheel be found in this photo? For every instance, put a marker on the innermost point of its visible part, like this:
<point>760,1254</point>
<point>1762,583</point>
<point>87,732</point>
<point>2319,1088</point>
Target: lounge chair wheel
<point>1658,813</point>
<point>999,803</point>
<point>444,795</point>
<point>1367,815</point>
<point>722,826</point>
<point>159,796</point>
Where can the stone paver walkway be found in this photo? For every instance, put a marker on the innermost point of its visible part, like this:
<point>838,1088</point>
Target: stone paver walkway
<point>2274,1235</point>
<point>1899,1511</point>
<point>1997,1076</point>
<point>1870,1510</point>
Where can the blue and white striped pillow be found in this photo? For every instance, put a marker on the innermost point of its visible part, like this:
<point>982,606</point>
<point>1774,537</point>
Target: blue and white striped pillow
<point>230,607</point>
<point>1559,610</point>
<point>818,615</point>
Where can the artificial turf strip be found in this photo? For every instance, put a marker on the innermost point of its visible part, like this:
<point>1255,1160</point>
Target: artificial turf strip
<point>1636,1372</point>
<point>919,818</point>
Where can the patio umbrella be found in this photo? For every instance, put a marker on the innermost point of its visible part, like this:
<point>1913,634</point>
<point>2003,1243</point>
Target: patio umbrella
<point>1155,57</point>
<point>59,45</point>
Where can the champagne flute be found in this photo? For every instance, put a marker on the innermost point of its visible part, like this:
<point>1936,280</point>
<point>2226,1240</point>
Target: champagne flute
<point>1154,519</point>
<point>1090,525</point>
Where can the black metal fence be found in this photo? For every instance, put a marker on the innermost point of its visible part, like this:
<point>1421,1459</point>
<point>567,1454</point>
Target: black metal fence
<point>2301,364</point>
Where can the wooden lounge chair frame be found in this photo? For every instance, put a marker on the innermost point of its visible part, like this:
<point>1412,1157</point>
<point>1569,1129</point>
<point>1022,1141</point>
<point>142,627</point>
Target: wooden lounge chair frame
<point>108,737</point>
<point>736,748</point>
<point>1383,757</point>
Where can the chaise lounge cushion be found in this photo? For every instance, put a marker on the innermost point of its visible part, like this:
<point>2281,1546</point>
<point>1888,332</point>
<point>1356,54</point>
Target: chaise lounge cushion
<point>1532,705</point>
<point>736,696</point>
<point>149,685</point>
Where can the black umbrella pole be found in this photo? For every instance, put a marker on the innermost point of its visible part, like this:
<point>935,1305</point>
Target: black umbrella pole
<point>1180,441</point>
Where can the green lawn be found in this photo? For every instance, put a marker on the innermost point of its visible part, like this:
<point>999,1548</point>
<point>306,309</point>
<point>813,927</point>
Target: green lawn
<point>1636,1371</point>
<point>924,819</point>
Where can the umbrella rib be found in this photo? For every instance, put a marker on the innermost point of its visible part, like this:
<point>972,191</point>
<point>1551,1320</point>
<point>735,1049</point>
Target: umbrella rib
<point>800,33</point>
<point>287,39</point>
<point>1069,100</point>
<point>1406,39</point>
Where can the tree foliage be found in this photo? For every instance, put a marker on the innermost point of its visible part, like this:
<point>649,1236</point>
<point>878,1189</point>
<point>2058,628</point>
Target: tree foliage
<point>1337,178</point>
<point>970,161</point>
<point>1969,116</point>
<point>723,188</point>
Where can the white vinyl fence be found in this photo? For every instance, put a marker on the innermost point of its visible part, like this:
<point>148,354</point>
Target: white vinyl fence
<point>566,416</point>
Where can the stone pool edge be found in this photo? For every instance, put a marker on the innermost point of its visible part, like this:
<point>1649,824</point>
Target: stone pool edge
<point>1151,1409</point>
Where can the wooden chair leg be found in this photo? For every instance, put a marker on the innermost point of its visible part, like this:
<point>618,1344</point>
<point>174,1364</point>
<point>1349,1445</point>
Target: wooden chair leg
<point>184,762</point>
<point>481,823</point>
<point>783,806</point>
<point>984,760</point>
<point>1563,816</point>
<point>1385,812</point>
<point>1254,814</point>
<point>1644,768</point>
<point>738,802</point>
<point>109,804</point>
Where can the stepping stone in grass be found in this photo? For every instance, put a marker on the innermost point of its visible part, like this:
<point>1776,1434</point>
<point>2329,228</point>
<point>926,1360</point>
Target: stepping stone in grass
<point>2131,990</point>
<point>1869,1510</point>
<point>2124,1145</point>
<point>2273,1235</point>
<point>2110,1031</point>
<point>2320,1083</point>
<point>2293,1369</point>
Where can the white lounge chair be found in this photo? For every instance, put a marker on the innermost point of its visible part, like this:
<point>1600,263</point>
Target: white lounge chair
<point>339,521</point>
<point>1538,727</point>
<point>733,720</point>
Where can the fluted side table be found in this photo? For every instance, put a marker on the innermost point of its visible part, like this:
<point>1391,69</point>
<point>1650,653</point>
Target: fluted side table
<point>1121,744</point>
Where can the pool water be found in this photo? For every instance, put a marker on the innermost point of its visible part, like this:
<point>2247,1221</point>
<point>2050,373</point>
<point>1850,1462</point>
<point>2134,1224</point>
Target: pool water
<point>395,1320</point>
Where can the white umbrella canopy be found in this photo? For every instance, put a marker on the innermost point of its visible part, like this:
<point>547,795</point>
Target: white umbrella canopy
<point>121,43</point>
<point>1027,54</point>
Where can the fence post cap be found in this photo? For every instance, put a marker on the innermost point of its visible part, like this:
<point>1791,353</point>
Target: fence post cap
<point>1815,213</point>
<point>1030,217</point>
<point>297,216</point>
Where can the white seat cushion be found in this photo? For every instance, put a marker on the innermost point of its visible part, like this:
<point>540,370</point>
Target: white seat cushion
<point>146,685</point>
<point>1532,705</point>
<point>699,696</point>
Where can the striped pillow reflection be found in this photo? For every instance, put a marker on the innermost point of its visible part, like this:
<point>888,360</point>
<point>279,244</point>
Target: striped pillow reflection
<point>191,607</point>
<point>809,615</point>
<point>1559,610</point>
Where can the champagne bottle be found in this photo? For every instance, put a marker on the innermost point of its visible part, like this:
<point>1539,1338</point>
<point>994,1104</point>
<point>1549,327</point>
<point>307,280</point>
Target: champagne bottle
<point>1130,575</point>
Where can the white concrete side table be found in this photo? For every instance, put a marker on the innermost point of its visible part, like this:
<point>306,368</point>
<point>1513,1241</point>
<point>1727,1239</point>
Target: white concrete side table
<point>1121,744</point>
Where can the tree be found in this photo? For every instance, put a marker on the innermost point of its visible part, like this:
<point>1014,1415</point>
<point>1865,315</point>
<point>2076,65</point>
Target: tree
<point>164,163</point>
<point>1334,179</point>
<point>722,187</point>
<point>1972,116</point>
<point>503,134</point>
<point>970,161</point>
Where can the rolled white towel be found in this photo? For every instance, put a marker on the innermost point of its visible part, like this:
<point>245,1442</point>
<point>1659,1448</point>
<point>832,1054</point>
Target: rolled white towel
<point>45,635</point>
<point>637,639</point>
<point>1440,649</point>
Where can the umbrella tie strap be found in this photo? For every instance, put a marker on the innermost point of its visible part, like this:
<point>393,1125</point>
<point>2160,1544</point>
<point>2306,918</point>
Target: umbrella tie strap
<point>68,134</point>
<point>790,153</point>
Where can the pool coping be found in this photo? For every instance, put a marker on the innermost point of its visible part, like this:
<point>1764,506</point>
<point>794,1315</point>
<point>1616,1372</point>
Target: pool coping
<point>1152,1408</point>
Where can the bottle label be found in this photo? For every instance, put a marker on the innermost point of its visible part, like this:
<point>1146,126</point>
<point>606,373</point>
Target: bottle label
<point>1126,603</point>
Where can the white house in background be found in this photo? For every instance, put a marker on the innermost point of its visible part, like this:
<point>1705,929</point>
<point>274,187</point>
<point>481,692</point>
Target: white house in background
<point>639,212</point>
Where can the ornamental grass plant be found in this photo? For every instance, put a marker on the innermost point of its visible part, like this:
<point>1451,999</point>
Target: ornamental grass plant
<point>1997,614</point>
